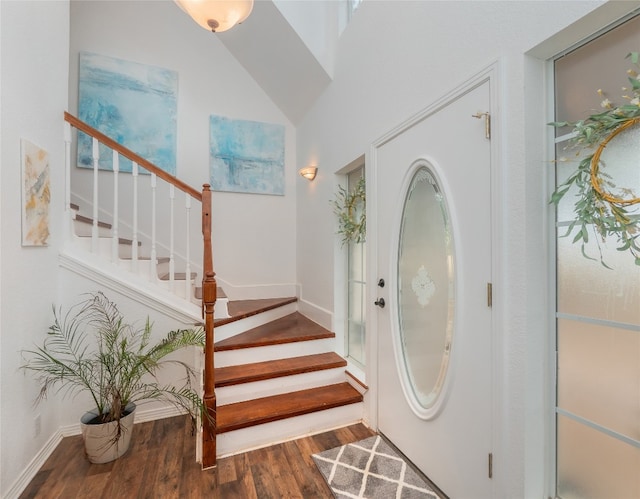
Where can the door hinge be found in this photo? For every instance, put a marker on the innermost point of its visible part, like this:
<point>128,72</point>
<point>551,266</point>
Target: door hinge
<point>487,122</point>
<point>489,295</point>
<point>490,465</point>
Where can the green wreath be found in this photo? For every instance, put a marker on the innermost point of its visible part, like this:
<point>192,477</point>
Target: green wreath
<point>350,207</point>
<point>596,209</point>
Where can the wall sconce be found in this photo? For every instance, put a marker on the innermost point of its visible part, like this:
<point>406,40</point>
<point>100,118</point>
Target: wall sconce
<point>309,172</point>
<point>217,15</point>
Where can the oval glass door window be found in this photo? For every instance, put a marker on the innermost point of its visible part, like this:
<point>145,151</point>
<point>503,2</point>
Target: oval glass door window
<point>425,291</point>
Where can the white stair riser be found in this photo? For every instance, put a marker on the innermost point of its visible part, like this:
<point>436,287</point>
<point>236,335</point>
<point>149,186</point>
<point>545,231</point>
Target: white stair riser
<point>125,253</point>
<point>105,245</point>
<point>263,435</point>
<point>178,288</point>
<point>144,268</point>
<point>85,229</point>
<point>221,310</point>
<point>179,266</point>
<point>240,326</point>
<point>273,352</point>
<point>277,386</point>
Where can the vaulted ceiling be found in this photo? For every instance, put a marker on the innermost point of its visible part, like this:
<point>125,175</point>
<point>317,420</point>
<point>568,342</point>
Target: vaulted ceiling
<point>278,59</point>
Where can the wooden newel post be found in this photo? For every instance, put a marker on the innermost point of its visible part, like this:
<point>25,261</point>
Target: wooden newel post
<point>209,295</point>
<point>209,427</point>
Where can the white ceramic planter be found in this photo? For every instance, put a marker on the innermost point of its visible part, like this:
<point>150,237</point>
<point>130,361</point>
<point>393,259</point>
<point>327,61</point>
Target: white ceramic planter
<point>99,439</point>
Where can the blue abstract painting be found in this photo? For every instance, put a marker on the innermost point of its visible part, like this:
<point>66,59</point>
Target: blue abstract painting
<point>246,156</point>
<point>134,104</point>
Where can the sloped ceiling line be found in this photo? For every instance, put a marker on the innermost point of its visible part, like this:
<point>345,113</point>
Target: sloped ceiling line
<point>271,51</point>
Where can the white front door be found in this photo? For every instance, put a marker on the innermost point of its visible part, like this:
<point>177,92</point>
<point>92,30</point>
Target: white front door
<point>433,181</point>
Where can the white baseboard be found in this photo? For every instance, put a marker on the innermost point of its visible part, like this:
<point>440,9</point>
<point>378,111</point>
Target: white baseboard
<point>257,291</point>
<point>316,314</point>
<point>140,417</point>
<point>34,466</point>
<point>43,454</point>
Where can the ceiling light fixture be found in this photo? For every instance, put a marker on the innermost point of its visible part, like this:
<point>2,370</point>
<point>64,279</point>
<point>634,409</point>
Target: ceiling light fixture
<point>217,15</point>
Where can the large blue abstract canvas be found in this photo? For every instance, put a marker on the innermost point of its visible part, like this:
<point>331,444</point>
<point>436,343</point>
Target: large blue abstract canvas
<point>134,104</point>
<point>246,156</point>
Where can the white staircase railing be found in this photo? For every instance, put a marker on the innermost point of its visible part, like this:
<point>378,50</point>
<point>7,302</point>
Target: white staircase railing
<point>133,214</point>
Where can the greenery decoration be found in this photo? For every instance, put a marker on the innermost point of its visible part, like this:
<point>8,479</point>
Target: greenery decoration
<point>596,209</point>
<point>350,206</point>
<point>92,349</point>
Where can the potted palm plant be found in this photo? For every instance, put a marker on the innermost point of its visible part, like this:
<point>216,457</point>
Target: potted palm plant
<point>91,348</point>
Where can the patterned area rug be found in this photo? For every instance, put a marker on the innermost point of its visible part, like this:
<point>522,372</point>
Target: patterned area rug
<point>370,469</point>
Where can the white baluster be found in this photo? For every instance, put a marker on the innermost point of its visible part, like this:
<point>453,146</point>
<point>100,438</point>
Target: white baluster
<point>187,280</point>
<point>134,244</point>
<point>67,182</point>
<point>115,238</point>
<point>153,264</point>
<point>172,195</point>
<point>94,229</point>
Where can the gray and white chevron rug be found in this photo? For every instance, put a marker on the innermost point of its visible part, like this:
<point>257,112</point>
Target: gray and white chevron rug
<point>371,469</point>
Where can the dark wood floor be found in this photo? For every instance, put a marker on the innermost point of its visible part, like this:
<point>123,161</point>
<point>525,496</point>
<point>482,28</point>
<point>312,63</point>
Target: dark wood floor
<point>160,464</point>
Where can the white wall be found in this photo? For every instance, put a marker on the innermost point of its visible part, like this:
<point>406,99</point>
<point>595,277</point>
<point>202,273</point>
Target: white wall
<point>394,59</point>
<point>254,235</point>
<point>34,68</point>
<point>316,22</point>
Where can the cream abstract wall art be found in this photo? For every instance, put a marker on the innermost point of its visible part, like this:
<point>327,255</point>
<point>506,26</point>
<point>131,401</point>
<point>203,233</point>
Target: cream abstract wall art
<point>36,194</point>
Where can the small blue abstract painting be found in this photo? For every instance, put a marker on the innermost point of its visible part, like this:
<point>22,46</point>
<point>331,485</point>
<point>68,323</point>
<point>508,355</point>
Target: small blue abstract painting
<point>134,104</point>
<point>246,156</point>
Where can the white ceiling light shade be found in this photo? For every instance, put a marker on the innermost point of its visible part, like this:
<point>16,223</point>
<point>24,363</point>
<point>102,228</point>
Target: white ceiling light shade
<point>217,15</point>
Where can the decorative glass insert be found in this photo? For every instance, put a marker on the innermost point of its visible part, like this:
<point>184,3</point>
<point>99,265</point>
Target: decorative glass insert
<point>423,286</point>
<point>425,290</point>
<point>356,337</point>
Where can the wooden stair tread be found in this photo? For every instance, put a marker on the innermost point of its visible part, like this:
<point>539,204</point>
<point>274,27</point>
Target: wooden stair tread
<point>160,259</point>
<point>258,371</point>
<point>104,225</point>
<point>127,242</point>
<point>241,309</point>
<point>89,221</point>
<point>267,409</point>
<point>288,329</point>
<point>177,276</point>
<point>121,240</point>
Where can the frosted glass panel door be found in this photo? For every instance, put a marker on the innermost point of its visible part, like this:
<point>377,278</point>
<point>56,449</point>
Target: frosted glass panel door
<point>426,298</point>
<point>434,335</point>
<point>598,308</point>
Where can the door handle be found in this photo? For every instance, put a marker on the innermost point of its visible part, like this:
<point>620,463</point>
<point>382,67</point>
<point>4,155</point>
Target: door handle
<point>379,302</point>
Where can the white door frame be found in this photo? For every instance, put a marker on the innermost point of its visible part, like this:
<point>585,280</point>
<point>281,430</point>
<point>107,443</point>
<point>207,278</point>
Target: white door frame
<point>491,74</point>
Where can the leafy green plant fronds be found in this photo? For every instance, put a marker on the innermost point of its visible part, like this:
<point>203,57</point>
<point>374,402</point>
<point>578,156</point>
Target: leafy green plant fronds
<point>350,207</point>
<point>91,348</point>
<point>597,213</point>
